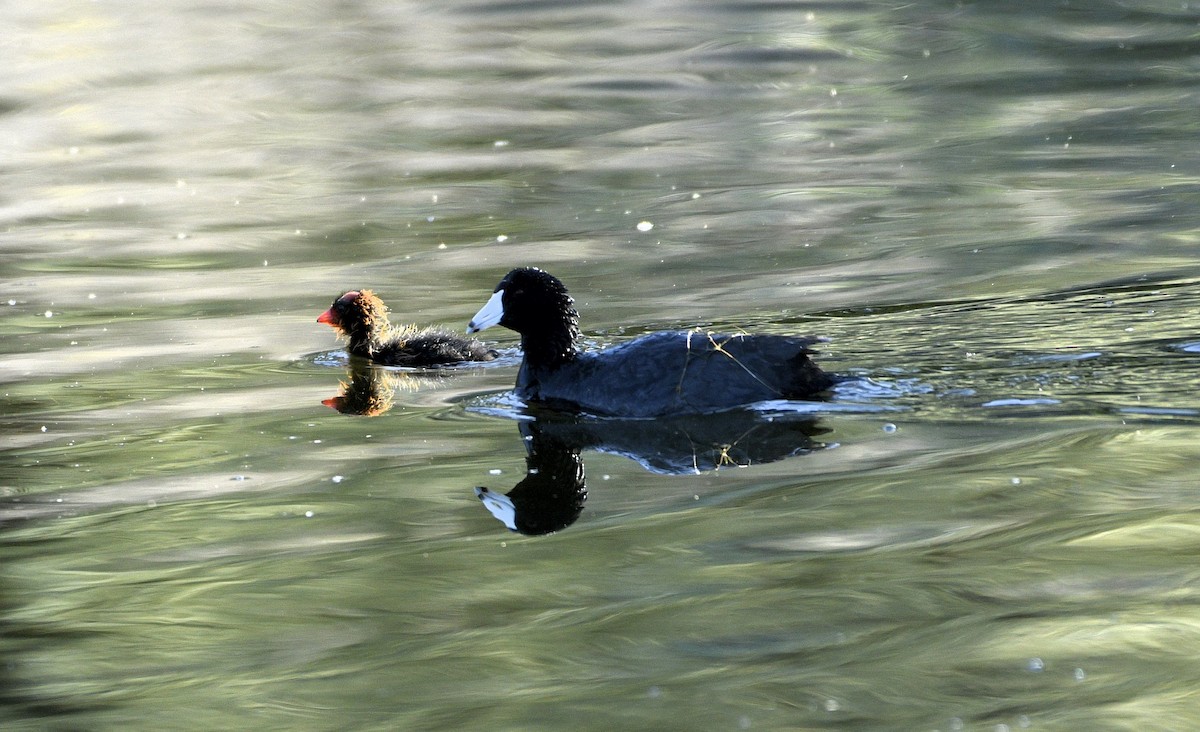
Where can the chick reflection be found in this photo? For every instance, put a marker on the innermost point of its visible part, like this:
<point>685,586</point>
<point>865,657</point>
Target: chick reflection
<point>369,390</point>
<point>552,495</point>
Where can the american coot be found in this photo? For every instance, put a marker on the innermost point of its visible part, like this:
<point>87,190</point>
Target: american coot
<point>665,373</point>
<point>361,318</point>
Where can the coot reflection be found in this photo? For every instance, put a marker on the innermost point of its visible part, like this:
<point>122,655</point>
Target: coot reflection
<point>368,391</point>
<point>552,494</point>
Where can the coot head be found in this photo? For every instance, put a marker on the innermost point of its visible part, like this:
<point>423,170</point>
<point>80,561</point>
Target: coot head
<point>536,305</point>
<point>358,315</point>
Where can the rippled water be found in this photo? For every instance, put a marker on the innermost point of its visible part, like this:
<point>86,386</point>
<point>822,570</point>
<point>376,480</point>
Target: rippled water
<point>989,209</point>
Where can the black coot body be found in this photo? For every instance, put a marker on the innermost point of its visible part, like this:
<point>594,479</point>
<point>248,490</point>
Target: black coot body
<point>660,374</point>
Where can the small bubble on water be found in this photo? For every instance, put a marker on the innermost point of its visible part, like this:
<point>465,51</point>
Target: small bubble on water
<point>1015,481</point>
<point>500,143</point>
<point>1080,675</point>
<point>338,478</point>
<point>832,705</point>
<point>308,514</point>
<point>889,427</point>
<point>49,314</point>
<point>43,428</point>
<point>654,692</point>
<point>238,477</point>
<point>644,226</point>
<point>495,471</point>
<point>1024,721</point>
<point>1036,665</point>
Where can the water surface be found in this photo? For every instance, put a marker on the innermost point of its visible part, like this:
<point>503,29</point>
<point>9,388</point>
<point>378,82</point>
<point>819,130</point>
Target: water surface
<point>989,209</point>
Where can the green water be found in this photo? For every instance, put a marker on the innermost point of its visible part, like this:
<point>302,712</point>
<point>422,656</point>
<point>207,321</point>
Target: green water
<point>989,210</point>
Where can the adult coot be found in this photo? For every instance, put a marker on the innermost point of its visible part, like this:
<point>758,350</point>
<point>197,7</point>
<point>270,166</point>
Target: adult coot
<point>361,317</point>
<point>665,373</point>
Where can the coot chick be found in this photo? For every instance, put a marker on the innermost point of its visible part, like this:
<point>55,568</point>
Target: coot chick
<point>664,373</point>
<point>361,317</point>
